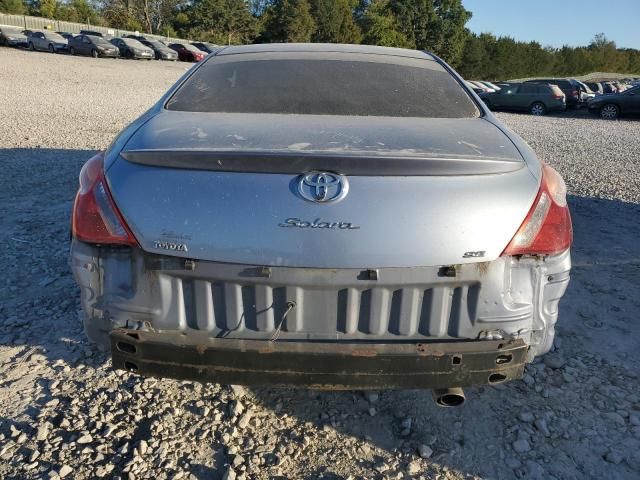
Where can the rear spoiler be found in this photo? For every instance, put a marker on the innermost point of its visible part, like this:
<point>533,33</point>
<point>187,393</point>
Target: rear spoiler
<point>345,163</point>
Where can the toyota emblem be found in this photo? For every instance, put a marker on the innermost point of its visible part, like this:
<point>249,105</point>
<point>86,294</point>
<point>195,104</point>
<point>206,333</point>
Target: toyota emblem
<point>322,187</point>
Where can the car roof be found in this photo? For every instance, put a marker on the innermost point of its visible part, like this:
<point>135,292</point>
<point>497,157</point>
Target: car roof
<point>549,80</point>
<point>324,47</point>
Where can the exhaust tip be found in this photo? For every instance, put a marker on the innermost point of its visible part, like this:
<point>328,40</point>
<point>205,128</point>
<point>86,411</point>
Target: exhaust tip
<point>449,397</point>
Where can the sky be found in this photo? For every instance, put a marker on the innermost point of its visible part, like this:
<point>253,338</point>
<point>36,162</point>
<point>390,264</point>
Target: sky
<point>558,22</point>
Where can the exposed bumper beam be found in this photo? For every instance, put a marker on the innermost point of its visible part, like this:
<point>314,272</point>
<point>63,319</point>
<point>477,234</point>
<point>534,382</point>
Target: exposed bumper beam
<point>317,364</point>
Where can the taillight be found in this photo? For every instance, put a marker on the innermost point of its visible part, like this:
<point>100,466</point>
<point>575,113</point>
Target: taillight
<point>575,93</point>
<point>558,96</point>
<point>547,228</point>
<point>95,217</point>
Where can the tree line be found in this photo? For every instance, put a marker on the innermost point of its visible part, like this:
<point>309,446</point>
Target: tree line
<point>438,26</point>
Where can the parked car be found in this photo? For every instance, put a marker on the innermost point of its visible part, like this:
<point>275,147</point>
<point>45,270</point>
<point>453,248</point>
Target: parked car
<point>614,105</point>
<point>486,86</point>
<point>12,37</point>
<point>569,86</point>
<point>130,48</point>
<point>535,98</point>
<point>47,41</point>
<point>475,87</point>
<point>140,38</point>
<point>94,46</point>
<point>27,33</point>
<point>620,87</point>
<point>585,93</point>
<point>161,51</point>
<point>92,33</point>
<point>481,86</point>
<point>187,52</point>
<point>596,87</point>
<point>384,275</point>
<point>490,85</point>
<point>66,35</point>
<point>206,46</point>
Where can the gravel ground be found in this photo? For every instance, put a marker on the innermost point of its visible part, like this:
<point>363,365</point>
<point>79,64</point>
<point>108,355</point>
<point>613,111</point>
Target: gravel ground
<point>65,413</point>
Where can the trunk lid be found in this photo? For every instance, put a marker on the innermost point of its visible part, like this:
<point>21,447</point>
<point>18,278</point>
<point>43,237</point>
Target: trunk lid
<point>223,187</point>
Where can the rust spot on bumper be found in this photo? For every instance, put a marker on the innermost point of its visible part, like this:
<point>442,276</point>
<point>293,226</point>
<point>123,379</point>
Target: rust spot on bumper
<point>364,352</point>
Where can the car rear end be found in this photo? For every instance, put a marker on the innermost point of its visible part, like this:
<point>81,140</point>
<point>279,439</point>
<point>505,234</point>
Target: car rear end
<point>569,87</point>
<point>108,51</point>
<point>196,54</point>
<point>555,98</point>
<point>260,225</point>
<point>104,47</point>
<point>60,44</point>
<point>165,53</point>
<point>571,90</point>
<point>145,54</point>
<point>140,51</point>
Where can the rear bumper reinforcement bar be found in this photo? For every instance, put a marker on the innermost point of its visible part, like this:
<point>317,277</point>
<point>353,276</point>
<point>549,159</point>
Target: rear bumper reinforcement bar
<point>317,364</point>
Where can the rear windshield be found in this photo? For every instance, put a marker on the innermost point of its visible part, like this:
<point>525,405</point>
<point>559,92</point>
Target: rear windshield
<point>324,84</point>
<point>190,47</point>
<point>55,36</point>
<point>553,81</point>
<point>98,40</point>
<point>131,42</point>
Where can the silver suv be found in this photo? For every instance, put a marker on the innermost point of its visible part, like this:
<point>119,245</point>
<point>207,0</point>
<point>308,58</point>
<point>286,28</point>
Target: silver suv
<point>321,215</point>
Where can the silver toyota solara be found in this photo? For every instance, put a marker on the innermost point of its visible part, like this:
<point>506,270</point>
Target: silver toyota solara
<point>333,216</point>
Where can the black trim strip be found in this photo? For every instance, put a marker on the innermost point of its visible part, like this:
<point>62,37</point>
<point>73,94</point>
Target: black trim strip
<point>298,162</point>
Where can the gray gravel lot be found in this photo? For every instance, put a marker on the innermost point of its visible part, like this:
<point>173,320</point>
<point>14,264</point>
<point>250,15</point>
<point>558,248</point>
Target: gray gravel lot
<point>64,413</point>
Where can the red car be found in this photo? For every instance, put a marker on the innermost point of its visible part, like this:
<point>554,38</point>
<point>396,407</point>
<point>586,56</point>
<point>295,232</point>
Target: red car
<point>187,52</point>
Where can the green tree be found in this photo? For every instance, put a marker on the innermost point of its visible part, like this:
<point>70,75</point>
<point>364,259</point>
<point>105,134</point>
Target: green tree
<point>121,14</point>
<point>434,25</point>
<point>154,14</point>
<point>603,53</point>
<point>85,12</point>
<point>539,60</point>
<point>381,27</point>
<point>48,8</point>
<point>289,21</point>
<point>489,58</point>
<point>12,6</point>
<point>474,58</point>
<point>220,21</point>
<point>413,17</point>
<point>446,34</point>
<point>334,21</point>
